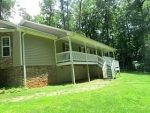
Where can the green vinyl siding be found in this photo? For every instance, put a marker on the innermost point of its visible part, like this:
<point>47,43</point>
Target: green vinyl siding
<point>75,47</point>
<point>39,50</point>
<point>64,73</point>
<point>94,70</point>
<point>80,72</point>
<point>59,45</point>
<point>17,56</point>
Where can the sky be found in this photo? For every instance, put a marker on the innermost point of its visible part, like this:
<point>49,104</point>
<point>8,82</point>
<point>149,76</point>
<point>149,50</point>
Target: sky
<point>32,7</point>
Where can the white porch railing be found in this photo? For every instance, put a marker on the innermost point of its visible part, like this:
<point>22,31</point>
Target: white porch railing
<point>115,67</point>
<point>101,60</point>
<point>63,56</point>
<point>108,61</point>
<point>78,56</point>
<point>92,58</point>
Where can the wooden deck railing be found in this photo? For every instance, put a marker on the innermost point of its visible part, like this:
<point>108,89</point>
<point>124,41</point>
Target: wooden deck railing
<point>63,56</point>
<point>92,58</point>
<point>115,67</point>
<point>77,56</point>
<point>108,60</point>
<point>83,57</point>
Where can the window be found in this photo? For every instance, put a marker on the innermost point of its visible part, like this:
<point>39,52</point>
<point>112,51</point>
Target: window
<point>88,50</point>
<point>65,46</point>
<point>92,51</point>
<point>5,46</point>
<point>81,49</point>
<point>100,53</point>
<point>106,54</point>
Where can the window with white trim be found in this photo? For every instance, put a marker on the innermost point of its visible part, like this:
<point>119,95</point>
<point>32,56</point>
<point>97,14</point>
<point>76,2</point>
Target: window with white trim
<point>82,49</point>
<point>88,50</point>
<point>92,51</point>
<point>5,46</point>
<point>65,46</point>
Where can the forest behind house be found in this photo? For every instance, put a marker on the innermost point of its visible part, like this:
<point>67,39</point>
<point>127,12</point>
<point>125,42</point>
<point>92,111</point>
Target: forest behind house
<point>122,24</point>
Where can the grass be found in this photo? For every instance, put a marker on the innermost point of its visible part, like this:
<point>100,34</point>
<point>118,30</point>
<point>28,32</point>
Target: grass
<point>129,93</point>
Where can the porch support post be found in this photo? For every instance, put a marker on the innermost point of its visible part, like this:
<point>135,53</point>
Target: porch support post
<point>108,54</point>
<point>88,74</point>
<point>87,66</point>
<point>102,52</point>
<point>97,66</point>
<point>95,50</point>
<point>85,51</point>
<point>71,59</point>
<point>114,54</point>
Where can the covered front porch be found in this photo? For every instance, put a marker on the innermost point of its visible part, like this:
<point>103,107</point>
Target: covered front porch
<point>72,51</point>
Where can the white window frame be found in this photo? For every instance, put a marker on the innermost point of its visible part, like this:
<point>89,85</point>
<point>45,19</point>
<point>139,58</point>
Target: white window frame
<point>92,51</point>
<point>88,50</point>
<point>5,46</point>
<point>82,49</point>
<point>66,47</point>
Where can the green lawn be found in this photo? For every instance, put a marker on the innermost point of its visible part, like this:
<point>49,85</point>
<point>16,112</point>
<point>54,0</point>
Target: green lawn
<point>129,93</point>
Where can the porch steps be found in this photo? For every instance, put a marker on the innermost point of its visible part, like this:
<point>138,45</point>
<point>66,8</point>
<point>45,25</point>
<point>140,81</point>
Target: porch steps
<point>109,72</point>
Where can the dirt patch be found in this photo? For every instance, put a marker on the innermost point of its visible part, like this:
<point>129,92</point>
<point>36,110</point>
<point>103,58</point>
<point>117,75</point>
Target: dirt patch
<point>80,87</point>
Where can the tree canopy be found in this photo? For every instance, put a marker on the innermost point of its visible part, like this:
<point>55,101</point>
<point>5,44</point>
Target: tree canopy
<point>7,9</point>
<point>122,24</point>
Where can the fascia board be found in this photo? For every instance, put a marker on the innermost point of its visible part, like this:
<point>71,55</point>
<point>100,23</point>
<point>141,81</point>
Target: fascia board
<point>42,25</point>
<point>91,41</point>
<point>7,30</point>
<point>9,23</point>
<point>38,33</point>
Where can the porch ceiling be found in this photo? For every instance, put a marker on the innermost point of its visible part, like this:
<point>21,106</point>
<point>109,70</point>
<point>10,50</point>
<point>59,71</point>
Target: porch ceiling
<point>56,32</point>
<point>89,42</point>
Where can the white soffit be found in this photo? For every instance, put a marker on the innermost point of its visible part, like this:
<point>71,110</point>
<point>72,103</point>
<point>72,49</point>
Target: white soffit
<point>9,25</point>
<point>89,41</point>
<point>44,28</point>
<point>38,33</point>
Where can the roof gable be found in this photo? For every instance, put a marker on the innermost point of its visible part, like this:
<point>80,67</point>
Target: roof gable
<point>48,30</point>
<point>7,25</point>
<point>44,28</point>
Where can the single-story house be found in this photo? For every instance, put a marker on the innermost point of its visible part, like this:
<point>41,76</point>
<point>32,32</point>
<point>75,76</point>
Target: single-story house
<point>35,55</point>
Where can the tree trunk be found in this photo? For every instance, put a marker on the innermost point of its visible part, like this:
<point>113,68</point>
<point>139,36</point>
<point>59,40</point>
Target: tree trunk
<point>80,11</point>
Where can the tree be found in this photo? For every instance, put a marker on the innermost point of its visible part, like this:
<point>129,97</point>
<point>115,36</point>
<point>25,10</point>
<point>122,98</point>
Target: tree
<point>48,12</point>
<point>7,9</point>
<point>123,24</point>
<point>65,14</point>
<point>23,13</point>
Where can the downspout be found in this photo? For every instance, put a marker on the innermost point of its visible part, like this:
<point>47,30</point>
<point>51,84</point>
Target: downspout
<point>23,61</point>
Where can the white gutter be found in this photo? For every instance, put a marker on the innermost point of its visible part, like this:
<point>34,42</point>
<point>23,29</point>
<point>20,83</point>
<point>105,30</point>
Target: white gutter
<point>37,33</point>
<point>23,61</point>
<point>7,30</point>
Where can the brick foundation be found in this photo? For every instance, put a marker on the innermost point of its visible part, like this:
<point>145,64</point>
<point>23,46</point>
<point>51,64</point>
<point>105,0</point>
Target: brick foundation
<point>11,77</point>
<point>37,76</point>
